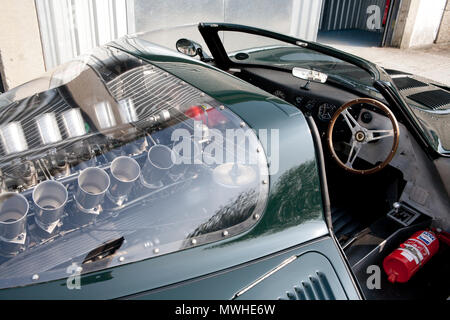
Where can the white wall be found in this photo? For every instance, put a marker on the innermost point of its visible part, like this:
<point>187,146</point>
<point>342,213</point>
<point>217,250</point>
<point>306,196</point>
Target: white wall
<point>427,21</point>
<point>20,45</point>
<point>71,28</point>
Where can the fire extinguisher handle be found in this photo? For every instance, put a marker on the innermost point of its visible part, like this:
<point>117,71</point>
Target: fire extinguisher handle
<point>443,236</point>
<point>392,277</point>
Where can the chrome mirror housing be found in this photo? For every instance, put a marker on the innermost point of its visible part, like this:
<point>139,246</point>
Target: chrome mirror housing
<point>309,75</point>
<point>188,47</point>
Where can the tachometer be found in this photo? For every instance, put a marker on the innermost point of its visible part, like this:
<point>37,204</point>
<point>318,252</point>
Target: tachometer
<point>326,111</point>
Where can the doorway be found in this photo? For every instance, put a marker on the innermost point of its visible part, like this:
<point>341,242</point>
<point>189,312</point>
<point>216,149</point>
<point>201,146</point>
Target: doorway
<point>355,22</point>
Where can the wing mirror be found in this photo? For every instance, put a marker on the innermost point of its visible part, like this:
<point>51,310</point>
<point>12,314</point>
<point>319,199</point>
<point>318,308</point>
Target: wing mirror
<point>191,49</point>
<point>309,75</point>
<point>188,47</point>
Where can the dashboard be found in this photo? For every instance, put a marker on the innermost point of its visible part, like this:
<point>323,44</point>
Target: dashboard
<point>321,100</point>
<point>322,110</point>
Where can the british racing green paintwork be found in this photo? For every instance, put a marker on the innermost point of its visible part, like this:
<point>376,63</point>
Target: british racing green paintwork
<point>293,222</point>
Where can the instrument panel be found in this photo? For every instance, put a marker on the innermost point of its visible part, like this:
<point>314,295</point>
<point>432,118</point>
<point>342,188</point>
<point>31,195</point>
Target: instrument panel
<point>326,111</point>
<point>321,110</point>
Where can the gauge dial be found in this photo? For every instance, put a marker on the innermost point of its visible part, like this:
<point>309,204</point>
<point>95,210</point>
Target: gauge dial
<point>310,104</point>
<point>299,100</point>
<point>326,111</point>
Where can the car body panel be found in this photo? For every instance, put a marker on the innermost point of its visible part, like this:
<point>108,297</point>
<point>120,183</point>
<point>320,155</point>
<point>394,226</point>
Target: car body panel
<point>294,212</point>
<point>227,284</point>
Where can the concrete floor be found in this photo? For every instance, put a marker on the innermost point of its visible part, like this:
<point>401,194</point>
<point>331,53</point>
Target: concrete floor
<point>432,63</point>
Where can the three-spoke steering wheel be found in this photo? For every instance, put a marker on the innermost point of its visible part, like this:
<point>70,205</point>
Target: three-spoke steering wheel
<point>361,136</point>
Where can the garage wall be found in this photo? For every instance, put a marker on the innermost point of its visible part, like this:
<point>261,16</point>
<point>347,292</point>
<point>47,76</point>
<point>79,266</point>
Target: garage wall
<point>427,22</point>
<point>71,27</point>
<point>417,23</point>
<point>444,29</point>
<point>20,45</point>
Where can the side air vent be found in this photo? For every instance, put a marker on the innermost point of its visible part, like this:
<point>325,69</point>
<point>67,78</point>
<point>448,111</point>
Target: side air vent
<point>405,83</point>
<point>435,99</point>
<point>393,72</point>
<point>316,287</point>
<point>309,276</point>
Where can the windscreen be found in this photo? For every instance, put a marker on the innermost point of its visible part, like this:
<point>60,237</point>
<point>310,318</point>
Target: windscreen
<point>260,50</point>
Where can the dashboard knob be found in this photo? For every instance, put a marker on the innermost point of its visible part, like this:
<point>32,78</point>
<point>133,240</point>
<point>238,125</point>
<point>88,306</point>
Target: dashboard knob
<point>366,117</point>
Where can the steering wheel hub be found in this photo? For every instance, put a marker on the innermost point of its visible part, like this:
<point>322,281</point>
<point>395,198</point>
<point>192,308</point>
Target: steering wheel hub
<point>360,136</point>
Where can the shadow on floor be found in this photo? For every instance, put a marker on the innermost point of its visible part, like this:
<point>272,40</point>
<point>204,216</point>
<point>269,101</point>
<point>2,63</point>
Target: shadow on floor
<point>352,37</point>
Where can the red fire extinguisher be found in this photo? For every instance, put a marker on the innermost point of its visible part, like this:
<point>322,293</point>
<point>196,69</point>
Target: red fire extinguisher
<point>412,254</point>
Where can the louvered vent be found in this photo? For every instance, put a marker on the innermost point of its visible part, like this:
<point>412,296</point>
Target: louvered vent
<point>393,72</point>
<point>435,99</point>
<point>309,276</point>
<point>405,83</point>
<point>316,287</point>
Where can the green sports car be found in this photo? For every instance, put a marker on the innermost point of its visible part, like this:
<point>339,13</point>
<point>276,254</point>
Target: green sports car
<point>251,166</point>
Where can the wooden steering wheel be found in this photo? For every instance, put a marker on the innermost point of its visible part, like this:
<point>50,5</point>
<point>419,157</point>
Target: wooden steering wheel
<point>361,136</point>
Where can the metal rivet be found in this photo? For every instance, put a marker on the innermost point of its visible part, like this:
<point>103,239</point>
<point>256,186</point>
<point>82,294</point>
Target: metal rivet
<point>265,182</point>
<point>258,149</point>
<point>193,241</point>
<point>202,94</point>
<point>35,277</point>
<point>121,259</point>
<point>242,124</point>
<point>225,233</point>
<point>221,107</point>
<point>156,250</point>
<point>256,216</point>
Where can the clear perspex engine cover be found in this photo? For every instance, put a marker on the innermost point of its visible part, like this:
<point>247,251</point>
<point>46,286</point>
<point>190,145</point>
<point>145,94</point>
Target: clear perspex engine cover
<point>109,160</point>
